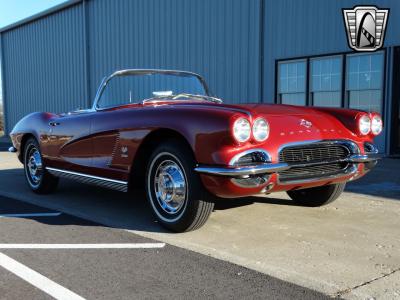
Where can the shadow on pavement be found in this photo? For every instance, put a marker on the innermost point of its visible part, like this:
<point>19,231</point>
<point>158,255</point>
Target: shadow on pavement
<point>130,210</point>
<point>120,210</point>
<point>382,181</point>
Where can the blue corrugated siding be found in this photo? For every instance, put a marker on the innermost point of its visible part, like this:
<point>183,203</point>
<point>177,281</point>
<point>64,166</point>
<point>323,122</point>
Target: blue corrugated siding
<point>44,65</point>
<point>311,27</point>
<point>55,63</point>
<point>217,39</point>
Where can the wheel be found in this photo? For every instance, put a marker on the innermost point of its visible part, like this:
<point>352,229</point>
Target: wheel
<point>317,196</point>
<point>39,180</point>
<point>174,190</point>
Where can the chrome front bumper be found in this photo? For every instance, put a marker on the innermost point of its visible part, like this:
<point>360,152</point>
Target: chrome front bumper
<point>269,168</point>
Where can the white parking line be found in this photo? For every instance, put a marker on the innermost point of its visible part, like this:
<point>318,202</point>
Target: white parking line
<point>30,215</point>
<point>38,280</point>
<point>83,246</point>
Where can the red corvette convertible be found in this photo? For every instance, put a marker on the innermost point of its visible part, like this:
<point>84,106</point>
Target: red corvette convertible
<point>161,130</point>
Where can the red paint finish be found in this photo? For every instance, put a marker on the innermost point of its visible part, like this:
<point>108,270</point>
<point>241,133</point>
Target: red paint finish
<point>105,142</point>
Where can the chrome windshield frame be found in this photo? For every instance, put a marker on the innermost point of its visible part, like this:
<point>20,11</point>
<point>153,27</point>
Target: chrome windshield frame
<point>128,72</point>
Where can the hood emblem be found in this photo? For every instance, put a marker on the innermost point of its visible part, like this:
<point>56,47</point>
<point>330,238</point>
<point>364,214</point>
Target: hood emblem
<point>305,123</point>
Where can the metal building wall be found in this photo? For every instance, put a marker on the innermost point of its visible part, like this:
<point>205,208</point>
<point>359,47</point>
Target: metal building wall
<point>311,27</point>
<point>218,39</point>
<point>314,27</point>
<point>43,65</point>
<point>55,62</point>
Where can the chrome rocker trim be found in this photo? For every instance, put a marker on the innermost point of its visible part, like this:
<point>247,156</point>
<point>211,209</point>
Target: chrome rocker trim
<point>268,168</point>
<point>118,185</point>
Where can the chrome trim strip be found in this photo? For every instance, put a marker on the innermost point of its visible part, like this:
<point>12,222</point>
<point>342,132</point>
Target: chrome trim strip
<point>350,170</point>
<point>12,149</point>
<point>241,154</point>
<point>268,168</point>
<point>105,81</point>
<point>87,176</point>
<point>355,157</point>
<point>242,171</point>
<point>369,157</point>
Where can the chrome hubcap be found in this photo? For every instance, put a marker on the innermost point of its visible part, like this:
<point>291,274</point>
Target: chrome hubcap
<point>170,187</point>
<point>34,164</point>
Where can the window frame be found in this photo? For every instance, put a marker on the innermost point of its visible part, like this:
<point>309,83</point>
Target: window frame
<point>310,77</point>
<point>383,78</point>
<point>130,72</point>
<point>302,60</point>
<point>345,102</point>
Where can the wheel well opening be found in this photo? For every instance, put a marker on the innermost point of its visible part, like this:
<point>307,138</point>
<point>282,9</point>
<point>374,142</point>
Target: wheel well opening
<point>151,141</point>
<point>24,139</point>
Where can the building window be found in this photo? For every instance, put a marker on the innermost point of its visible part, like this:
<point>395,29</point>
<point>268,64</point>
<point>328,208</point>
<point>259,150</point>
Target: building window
<point>364,87</point>
<point>326,81</point>
<point>292,82</point>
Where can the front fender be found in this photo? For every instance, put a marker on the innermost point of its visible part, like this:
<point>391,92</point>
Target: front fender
<point>34,124</point>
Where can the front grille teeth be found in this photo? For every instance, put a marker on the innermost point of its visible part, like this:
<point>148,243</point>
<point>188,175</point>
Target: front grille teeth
<point>323,152</point>
<point>313,154</point>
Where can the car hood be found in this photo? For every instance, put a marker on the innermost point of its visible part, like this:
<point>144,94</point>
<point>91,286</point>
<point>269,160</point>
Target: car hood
<point>253,109</point>
<point>276,109</point>
<point>292,123</point>
<point>296,121</point>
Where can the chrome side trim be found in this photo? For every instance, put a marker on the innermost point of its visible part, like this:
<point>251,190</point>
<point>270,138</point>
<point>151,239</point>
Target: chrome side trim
<point>12,149</point>
<point>241,154</point>
<point>90,179</point>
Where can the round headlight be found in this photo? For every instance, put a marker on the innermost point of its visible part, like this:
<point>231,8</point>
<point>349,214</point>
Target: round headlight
<point>242,130</point>
<point>376,125</point>
<point>364,124</point>
<point>260,129</point>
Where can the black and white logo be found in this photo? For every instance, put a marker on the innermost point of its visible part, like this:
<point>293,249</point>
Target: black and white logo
<point>365,26</point>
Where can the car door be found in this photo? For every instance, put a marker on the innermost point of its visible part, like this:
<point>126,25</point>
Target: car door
<point>70,146</point>
<point>115,140</point>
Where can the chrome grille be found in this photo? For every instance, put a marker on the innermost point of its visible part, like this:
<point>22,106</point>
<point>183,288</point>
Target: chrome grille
<point>301,173</point>
<point>313,153</point>
<point>326,153</point>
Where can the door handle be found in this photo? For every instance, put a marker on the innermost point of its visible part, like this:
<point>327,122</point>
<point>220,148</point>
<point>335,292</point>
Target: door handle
<point>54,124</point>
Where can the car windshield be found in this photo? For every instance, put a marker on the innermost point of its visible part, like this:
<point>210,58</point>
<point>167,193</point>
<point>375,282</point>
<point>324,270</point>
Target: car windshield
<point>143,87</point>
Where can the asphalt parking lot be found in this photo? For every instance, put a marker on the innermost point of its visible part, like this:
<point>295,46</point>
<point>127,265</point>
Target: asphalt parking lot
<point>348,249</point>
<point>91,261</point>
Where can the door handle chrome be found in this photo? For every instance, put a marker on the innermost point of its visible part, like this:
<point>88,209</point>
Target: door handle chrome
<point>54,124</point>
